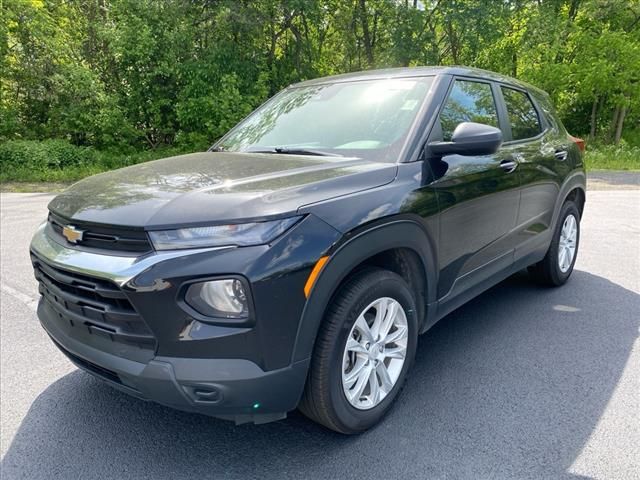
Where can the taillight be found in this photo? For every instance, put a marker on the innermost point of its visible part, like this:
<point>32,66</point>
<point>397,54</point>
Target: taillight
<point>578,141</point>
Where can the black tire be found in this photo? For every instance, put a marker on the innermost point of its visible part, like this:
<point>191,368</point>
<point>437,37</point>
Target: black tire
<point>548,272</point>
<point>324,400</point>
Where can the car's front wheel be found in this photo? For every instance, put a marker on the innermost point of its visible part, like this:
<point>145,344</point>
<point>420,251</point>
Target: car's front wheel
<point>556,267</point>
<point>364,349</point>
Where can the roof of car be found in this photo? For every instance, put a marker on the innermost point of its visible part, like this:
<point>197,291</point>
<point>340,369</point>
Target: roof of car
<point>419,72</point>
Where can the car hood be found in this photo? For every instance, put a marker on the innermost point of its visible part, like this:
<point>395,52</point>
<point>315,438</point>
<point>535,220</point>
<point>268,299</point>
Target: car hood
<point>214,187</point>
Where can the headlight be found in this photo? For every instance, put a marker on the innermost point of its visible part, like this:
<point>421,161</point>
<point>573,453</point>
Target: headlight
<point>241,235</point>
<point>225,298</point>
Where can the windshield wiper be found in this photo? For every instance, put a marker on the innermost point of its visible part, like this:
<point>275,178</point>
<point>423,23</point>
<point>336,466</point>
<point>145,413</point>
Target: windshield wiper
<point>296,151</point>
<point>305,151</point>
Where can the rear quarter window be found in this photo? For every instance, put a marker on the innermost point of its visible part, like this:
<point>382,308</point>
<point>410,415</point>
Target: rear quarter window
<point>549,113</point>
<point>523,116</point>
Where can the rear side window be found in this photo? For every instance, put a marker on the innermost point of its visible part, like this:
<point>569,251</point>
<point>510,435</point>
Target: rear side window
<point>523,116</point>
<point>468,102</point>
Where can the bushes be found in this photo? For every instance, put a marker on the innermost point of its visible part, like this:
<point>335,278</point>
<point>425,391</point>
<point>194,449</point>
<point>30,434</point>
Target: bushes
<point>45,155</point>
<point>60,161</point>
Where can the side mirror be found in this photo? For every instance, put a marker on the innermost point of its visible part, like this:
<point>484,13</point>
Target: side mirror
<point>470,138</point>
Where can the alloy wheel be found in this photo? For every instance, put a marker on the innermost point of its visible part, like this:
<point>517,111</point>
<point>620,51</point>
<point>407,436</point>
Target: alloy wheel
<point>567,243</point>
<point>375,353</point>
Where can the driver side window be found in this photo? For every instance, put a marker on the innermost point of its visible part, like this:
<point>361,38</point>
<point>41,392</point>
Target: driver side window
<point>468,102</point>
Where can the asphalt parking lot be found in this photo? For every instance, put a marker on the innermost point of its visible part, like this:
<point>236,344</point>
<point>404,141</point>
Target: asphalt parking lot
<point>522,382</point>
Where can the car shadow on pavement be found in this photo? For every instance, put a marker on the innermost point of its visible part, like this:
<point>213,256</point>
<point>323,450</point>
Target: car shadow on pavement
<point>510,385</point>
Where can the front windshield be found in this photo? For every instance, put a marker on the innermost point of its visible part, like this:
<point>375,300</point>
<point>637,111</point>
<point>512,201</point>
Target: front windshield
<point>368,119</point>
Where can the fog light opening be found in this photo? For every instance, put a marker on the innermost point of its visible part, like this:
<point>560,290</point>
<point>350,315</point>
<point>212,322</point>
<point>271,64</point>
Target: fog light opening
<point>225,298</point>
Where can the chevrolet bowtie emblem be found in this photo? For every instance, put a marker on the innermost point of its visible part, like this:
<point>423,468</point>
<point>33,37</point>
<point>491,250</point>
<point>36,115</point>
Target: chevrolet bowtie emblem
<point>72,234</point>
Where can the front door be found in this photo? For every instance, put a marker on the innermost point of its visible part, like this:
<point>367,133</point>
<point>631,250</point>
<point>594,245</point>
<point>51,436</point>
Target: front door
<point>478,196</point>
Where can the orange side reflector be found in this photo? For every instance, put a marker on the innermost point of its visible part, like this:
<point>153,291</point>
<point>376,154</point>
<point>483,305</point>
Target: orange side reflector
<point>579,142</point>
<point>317,268</point>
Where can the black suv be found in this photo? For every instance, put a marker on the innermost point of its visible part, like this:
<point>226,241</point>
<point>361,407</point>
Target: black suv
<point>295,263</point>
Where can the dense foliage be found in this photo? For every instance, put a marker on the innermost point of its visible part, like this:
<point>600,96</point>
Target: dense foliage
<point>124,75</point>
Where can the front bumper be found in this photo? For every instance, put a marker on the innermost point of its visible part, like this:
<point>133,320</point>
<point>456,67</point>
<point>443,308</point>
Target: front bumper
<point>239,372</point>
<point>233,389</point>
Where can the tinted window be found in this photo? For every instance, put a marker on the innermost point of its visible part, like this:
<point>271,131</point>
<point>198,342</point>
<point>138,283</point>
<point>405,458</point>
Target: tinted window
<point>522,114</point>
<point>468,102</point>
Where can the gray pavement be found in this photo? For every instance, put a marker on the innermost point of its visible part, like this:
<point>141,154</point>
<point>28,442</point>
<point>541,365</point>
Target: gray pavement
<point>522,382</point>
<point>613,180</point>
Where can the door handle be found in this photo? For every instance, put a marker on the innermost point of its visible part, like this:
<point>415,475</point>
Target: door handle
<point>561,155</point>
<point>508,165</point>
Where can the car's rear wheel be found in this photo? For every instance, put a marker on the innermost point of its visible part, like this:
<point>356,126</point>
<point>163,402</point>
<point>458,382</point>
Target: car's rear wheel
<point>364,349</point>
<point>556,267</point>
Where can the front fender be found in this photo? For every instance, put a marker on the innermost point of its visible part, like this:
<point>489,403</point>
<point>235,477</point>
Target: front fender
<point>398,233</point>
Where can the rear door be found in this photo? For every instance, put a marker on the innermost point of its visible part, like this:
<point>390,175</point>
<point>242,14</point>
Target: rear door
<point>478,196</point>
<point>540,150</point>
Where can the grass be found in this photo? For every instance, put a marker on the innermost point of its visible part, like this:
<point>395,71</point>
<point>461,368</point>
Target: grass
<point>33,187</point>
<point>51,175</point>
<point>613,157</point>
